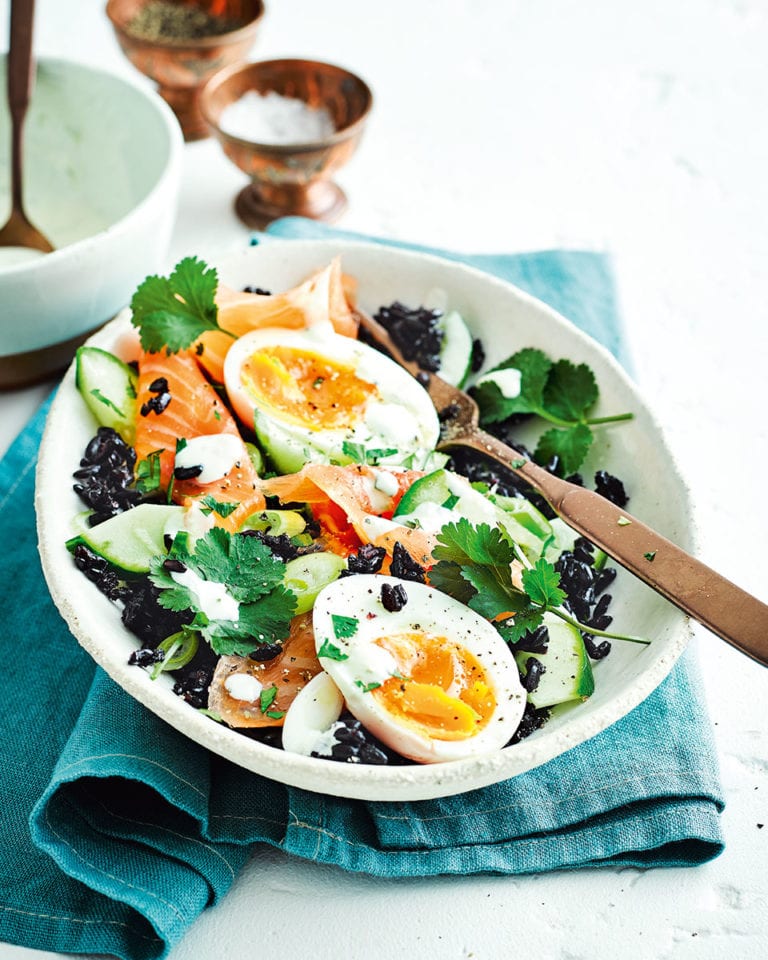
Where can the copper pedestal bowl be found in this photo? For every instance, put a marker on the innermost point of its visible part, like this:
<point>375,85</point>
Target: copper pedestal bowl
<point>290,178</point>
<point>181,67</point>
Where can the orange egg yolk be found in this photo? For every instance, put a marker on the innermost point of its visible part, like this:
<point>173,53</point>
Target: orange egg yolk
<point>443,691</point>
<point>305,387</point>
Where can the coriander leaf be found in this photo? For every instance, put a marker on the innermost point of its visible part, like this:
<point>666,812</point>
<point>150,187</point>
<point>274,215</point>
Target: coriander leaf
<point>446,576</point>
<point>268,620</point>
<point>344,627</point>
<point>534,366</point>
<point>211,555</point>
<point>358,453</point>
<point>355,451</point>
<point>245,564</point>
<point>267,698</point>
<point>570,446</point>
<point>373,456</point>
<point>526,618</point>
<point>149,473</point>
<point>570,391</point>
<point>331,652</point>
<point>212,505</point>
<point>461,542</point>
<point>177,598</point>
<point>275,714</point>
<point>367,687</point>
<point>172,312</point>
<point>251,574</point>
<point>495,594</point>
<point>542,584</point>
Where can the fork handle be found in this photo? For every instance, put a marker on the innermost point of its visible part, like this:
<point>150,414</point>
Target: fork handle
<point>728,611</point>
<point>20,66</point>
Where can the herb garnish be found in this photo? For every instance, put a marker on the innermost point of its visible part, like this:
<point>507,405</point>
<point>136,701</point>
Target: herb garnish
<point>344,627</point>
<point>149,472</point>
<point>212,505</point>
<point>172,312</point>
<point>106,401</point>
<point>331,652</point>
<point>253,577</point>
<point>359,454</point>
<point>475,566</point>
<point>560,392</point>
<point>267,698</point>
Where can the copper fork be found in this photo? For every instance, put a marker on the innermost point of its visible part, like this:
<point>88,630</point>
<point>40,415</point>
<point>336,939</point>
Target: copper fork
<point>18,230</point>
<point>728,611</point>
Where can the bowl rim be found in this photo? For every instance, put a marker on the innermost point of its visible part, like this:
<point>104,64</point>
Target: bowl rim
<point>283,149</point>
<point>388,782</point>
<point>201,43</point>
<point>169,175</point>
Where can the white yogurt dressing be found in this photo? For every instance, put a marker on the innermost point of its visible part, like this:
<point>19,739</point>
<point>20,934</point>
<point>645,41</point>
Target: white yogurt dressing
<point>212,598</point>
<point>217,454</point>
<point>243,686</point>
<point>508,381</point>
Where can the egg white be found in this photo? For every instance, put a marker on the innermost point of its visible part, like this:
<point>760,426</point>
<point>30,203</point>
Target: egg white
<point>312,716</point>
<point>365,663</point>
<point>402,417</point>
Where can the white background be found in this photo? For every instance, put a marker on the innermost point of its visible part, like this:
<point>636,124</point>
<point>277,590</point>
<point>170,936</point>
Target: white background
<point>640,129</point>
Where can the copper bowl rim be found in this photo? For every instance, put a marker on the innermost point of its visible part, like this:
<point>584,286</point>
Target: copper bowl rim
<point>201,43</point>
<point>283,149</point>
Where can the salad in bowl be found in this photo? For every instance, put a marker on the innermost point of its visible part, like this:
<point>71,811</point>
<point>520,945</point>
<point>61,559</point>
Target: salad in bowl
<point>244,518</point>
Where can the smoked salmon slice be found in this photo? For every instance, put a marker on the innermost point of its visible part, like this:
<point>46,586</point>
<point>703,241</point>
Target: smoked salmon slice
<point>175,401</point>
<point>351,492</point>
<point>291,670</point>
<point>323,297</point>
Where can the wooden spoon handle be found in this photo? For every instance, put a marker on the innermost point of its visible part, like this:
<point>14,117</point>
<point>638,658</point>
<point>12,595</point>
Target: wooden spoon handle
<point>728,611</point>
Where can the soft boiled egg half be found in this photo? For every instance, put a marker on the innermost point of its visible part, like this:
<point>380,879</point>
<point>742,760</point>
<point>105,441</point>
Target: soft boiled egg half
<point>309,392</point>
<point>433,680</point>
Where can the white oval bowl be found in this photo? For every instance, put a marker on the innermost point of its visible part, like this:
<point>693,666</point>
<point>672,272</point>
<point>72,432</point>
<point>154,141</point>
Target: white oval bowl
<point>101,176</point>
<point>507,319</point>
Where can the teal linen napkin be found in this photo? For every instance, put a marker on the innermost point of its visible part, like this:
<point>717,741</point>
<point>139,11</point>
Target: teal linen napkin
<point>116,831</point>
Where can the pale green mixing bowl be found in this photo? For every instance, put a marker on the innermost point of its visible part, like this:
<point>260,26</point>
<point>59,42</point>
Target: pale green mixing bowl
<point>102,165</point>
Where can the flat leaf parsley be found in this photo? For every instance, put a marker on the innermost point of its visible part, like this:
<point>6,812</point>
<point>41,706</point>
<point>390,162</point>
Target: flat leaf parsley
<point>252,576</point>
<point>560,392</point>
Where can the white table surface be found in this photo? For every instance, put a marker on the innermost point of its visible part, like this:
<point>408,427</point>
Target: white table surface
<point>503,125</point>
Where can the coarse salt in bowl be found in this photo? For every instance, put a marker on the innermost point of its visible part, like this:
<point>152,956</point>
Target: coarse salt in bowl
<point>289,125</point>
<point>275,119</point>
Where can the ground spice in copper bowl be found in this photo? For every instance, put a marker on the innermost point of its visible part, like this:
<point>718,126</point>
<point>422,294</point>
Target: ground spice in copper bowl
<point>163,20</point>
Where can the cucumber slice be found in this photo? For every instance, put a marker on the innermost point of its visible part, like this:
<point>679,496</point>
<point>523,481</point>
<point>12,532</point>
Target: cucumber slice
<point>276,522</point>
<point>568,674</point>
<point>433,488</point>
<point>442,497</point>
<point>306,576</point>
<point>255,457</point>
<point>456,350</point>
<point>108,387</point>
<point>528,516</point>
<point>131,539</point>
